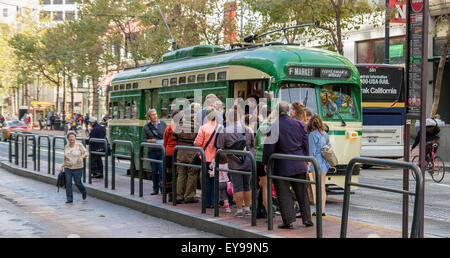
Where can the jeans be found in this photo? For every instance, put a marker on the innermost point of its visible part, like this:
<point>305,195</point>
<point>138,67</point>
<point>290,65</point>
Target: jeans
<point>97,165</point>
<point>76,174</point>
<point>156,169</point>
<point>209,185</point>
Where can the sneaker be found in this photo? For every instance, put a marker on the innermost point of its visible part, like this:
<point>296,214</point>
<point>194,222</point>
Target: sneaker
<point>247,212</point>
<point>239,214</point>
<point>227,209</point>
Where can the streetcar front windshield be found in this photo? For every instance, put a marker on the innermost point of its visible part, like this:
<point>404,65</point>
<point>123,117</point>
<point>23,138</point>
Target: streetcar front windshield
<point>338,103</point>
<point>299,92</point>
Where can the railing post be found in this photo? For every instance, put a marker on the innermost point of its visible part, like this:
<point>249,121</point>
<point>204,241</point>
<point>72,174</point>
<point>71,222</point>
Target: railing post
<point>252,173</point>
<point>270,177</point>
<point>54,150</point>
<point>380,162</point>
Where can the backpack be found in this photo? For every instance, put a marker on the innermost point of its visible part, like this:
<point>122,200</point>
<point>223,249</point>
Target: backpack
<point>239,144</point>
<point>61,181</point>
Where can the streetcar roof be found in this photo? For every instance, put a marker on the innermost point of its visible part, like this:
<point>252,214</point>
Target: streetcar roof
<point>272,60</point>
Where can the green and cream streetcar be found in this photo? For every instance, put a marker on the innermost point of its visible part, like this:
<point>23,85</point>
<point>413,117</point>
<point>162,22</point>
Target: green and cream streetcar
<point>325,82</point>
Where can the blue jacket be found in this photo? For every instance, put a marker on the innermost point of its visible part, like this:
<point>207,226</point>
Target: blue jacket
<point>97,132</point>
<point>293,140</point>
<point>316,141</point>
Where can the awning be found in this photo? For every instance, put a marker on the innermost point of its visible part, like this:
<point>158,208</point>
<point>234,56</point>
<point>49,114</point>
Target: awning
<point>106,81</point>
<point>41,103</point>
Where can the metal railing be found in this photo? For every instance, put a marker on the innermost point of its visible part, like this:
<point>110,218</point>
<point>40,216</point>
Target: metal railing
<point>113,164</point>
<point>202,174</point>
<point>381,162</point>
<point>278,156</point>
<point>55,138</point>
<point>101,153</point>
<point>16,142</point>
<point>27,137</point>
<point>251,173</point>
<point>49,154</point>
<point>162,161</point>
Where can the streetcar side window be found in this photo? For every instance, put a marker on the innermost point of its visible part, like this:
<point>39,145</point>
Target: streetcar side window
<point>128,86</point>
<point>211,77</point>
<point>110,109</point>
<point>201,77</point>
<point>221,76</point>
<point>135,85</point>
<point>182,80</point>
<point>164,108</point>
<point>122,86</point>
<point>115,113</point>
<point>173,81</point>
<point>121,110</point>
<point>191,79</point>
<point>127,110</point>
<point>133,109</point>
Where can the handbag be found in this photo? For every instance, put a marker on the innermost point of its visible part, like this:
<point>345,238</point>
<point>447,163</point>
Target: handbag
<point>329,155</point>
<point>197,160</point>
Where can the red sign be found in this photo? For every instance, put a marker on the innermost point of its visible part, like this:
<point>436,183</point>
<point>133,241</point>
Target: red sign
<point>417,5</point>
<point>399,9</point>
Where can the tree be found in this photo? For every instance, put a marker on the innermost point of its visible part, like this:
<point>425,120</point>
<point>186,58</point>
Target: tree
<point>441,67</point>
<point>335,17</point>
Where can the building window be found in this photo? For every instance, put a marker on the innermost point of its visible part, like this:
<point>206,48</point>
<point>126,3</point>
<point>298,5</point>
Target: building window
<point>57,1</point>
<point>372,51</point>
<point>201,77</point>
<point>46,2</point>
<point>70,2</point>
<point>58,16</point>
<point>44,14</point>
<point>70,15</point>
<point>5,12</point>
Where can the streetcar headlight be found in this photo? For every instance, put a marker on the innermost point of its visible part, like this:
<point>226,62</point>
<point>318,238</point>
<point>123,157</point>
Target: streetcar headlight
<point>351,135</point>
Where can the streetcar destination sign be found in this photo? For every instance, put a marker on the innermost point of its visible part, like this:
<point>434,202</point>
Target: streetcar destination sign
<point>318,72</point>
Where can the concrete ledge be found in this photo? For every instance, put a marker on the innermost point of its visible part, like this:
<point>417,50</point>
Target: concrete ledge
<point>165,212</point>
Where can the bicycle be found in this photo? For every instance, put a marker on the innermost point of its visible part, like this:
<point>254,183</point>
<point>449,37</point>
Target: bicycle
<point>435,167</point>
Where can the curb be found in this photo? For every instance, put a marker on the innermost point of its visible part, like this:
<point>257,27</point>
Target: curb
<point>187,219</point>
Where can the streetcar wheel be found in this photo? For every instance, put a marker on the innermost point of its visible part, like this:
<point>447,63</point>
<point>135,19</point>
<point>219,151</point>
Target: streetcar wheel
<point>415,161</point>
<point>438,171</point>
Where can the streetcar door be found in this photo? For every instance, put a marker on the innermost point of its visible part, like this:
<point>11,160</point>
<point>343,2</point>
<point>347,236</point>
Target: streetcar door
<point>248,89</point>
<point>151,99</point>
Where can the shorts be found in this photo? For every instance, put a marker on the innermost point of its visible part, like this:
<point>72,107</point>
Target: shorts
<point>241,183</point>
<point>223,194</point>
<point>260,169</point>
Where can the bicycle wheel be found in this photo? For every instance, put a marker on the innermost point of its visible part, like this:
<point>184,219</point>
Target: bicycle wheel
<point>415,161</point>
<point>438,171</point>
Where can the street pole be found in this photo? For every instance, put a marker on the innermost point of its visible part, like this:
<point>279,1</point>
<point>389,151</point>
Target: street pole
<point>423,108</point>
<point>64,103</point>
<point>386,34</point>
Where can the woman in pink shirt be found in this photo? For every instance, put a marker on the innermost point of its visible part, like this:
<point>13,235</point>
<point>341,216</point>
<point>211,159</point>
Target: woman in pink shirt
<point>205,139</point>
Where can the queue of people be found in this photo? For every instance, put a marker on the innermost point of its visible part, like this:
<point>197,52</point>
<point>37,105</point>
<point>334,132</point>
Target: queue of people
<point>299,132</point>
<point>286,129</point>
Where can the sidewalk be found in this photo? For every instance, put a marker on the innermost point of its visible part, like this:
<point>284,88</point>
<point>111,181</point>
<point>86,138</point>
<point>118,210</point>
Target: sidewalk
<point>190,214</point>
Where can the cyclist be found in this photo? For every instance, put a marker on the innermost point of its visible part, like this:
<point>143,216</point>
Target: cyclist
<point>432,137</point>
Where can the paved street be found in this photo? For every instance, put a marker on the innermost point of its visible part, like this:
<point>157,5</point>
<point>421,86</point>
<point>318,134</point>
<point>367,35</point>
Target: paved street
<point>382,209</point>
<point>31,209</point>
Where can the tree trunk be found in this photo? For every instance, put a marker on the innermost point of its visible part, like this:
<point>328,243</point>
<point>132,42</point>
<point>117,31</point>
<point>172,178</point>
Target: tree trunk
<point>71,97</point>
<point>440,75</point>
<point>94,98</point>
<point>57,99</point>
